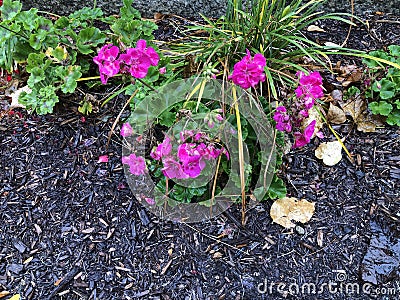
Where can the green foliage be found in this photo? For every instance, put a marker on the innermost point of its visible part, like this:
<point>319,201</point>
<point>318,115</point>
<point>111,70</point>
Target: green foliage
<point>56,52</point>
<point>277,189</point>
<point>384,92</point>
<point>272,28</point>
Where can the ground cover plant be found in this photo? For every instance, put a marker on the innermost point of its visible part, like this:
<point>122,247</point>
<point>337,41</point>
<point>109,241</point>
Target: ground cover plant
<point>205,133</point>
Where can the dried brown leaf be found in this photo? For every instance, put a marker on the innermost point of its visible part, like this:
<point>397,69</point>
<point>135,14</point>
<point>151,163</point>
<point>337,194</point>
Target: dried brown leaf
<point>357,109</point>
<point>284,210</point>
<point>329,152</point>
<point>336,115</point>
<point>349,74</point>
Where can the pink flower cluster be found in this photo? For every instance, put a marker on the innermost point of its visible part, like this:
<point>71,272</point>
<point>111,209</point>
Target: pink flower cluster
<point>249,71</point>
<point>136,61</point>
<point>308,90</point>
<point>137,164</point>
<point>191,156</point>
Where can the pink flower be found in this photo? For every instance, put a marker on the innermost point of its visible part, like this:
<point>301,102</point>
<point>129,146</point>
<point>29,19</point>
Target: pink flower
<point>150,201</point>
<point>162,150</point>
<point>173,169</point>
<point>136,63</point>
<point>188,152</point>
<point>138,60</point>
<point>310,88</point>
<point>302,139</point>
<point>163,70</point>
<point>193,167</point>
<point>126,130</point>
<point>282,119</point>
<point>107,61</point>
<point>103,159</point>
<point>249,71</point>
<point>137,165</point>
<point>150,52</point>
<point>219,118</point>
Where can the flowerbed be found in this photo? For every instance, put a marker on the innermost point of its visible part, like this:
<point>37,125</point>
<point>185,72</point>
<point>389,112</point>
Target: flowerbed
<point>194,145</point>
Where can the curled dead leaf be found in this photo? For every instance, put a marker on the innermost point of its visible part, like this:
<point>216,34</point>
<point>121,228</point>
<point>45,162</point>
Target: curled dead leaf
<point>284,210</point>
<point>336,115</point>
<point>329,152</point>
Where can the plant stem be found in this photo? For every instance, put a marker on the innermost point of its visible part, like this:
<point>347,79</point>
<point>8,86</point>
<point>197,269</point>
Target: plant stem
<point>49,13</point>
<point>17,33</point>
<point>150,87</point>
<point>241,154</point>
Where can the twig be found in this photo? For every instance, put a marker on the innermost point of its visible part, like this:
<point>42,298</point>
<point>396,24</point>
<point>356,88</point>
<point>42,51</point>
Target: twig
<point>117,119</point>
<point>71,274</point>
<point>351,25</point>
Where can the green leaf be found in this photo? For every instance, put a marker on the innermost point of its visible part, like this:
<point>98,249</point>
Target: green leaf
<point>10,9</point>
<point>37,75</point>
<point>388,89</point>
<point>28,19</point>
<point>382,108</point>
<point>371,63</point>
<point>128,12</point>
<point>85,108</point>
<point>87,13</point>
<point>62,23</point>
<point>88,39</point>
<point>47,100</point>
<point>353,91</point>
<point>394,118</point>
<point>397,102</point>
<point>34,60</point>
<point>394,50</point>
<point>22,51</point>
<point>277,189</point>
<point>70,76</point>
<point>167,118</point>
<point>37,40</point>
<point>394,75</point>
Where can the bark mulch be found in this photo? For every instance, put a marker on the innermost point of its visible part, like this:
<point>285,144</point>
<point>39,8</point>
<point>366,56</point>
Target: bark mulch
<point>71,229</point>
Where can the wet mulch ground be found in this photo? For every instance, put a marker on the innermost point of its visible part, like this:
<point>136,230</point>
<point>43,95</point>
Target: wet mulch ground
<point>71,229</point>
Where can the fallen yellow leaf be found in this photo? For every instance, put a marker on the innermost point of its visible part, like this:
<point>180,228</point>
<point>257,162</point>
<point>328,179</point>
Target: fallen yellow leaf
<point>284,210</point>
<point>329,152</point>
<point>15,297</point>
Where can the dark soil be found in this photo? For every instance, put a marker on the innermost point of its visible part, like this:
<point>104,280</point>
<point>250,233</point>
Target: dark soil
<point>71,229</point>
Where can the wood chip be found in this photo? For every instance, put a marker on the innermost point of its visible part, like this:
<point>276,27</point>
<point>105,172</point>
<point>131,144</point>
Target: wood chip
<point>88,230</point>
<point>320,237</point>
